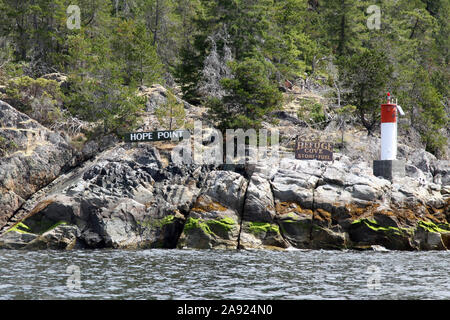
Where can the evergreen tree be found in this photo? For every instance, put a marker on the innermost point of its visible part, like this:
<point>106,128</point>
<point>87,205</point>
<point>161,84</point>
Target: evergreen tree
<point>37,30</point>
<point>136,55</point>
<point>345,25</point>
<point>287,45</point>
<point>252,95</point>
<point>365,75</point>
<point>188,73</point>
<point>171,115</point>
<point>100,89</point>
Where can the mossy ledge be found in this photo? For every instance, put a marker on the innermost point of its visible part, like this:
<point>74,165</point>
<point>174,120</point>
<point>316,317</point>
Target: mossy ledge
<point>227,224</point>
<point>24,229</point>
<point>263,227</point>
<point>373,225</point>
<point>157,223</point>
<point>20,228</point>
<point>432,227</point>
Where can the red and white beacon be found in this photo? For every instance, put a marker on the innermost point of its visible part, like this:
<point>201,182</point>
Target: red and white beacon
<point>389,115</point>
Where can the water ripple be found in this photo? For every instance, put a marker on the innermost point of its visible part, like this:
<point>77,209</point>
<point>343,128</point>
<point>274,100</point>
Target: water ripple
<point>207,274</point>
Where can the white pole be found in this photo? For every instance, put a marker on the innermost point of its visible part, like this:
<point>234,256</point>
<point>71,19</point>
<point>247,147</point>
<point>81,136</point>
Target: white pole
<point>389,141</point>
<point>389,130</point>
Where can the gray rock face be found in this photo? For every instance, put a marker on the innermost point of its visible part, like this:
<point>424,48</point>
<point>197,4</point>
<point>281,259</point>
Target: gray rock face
<point>295,223</point>
<point>442,173</point>
<point>259,228</point>
<point>59,237</point>
<point>295,181</point>
<point>35,157</point>
<point>259,203</point>
<point>325,238</point>
<point>123,199</point>
<point>215,220</point>
<point>429,240</point>
<point>422,160</point>
<point>15,240</point>
<point>135,196</point>
<point>63,237</point>
<point>318,203</point>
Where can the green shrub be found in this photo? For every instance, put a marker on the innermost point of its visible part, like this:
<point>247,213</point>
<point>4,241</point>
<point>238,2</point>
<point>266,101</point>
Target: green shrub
<point>435,142</point>
<point>317,114</point>
<point>40,98</point>
<point>312,112</point>
<point>7,147</point>
<point>252,94</point>
<point>171,115</point>
<point>115,108</point>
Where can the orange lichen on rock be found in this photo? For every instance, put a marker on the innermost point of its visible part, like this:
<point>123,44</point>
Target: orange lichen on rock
<point>358,212</point>
<point>388,213</point>
<point>322,215</point>
<point>288,207</point>
<point>204,205</point>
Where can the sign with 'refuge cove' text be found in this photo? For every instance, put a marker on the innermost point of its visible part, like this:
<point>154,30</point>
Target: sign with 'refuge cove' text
<point>314,150</point>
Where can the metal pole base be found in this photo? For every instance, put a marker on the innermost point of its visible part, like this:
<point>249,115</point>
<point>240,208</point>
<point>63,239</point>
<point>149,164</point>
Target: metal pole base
<point>389,169</point>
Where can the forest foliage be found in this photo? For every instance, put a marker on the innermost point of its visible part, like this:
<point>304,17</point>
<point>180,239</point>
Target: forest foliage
<point>229,55</point>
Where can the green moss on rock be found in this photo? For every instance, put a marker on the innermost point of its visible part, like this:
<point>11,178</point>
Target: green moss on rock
<point>157,223</point>
<point>168,219</point>
<point>55,226</point>
<point>20,228</point>
<point>260,227</point>
<point>373,225</point>
<point>227,224</point>
<point>218,227</point>
<point>193,223</point>
<point>432,227</point>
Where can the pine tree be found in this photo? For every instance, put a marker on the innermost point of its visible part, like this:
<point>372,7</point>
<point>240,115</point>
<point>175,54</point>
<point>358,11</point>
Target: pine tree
<point>365,75</point>
<point>171,115</point>
<point>137,56</point>
<point>286,45</point>
<point>252,95</point>
<point>98,90</point>
<point>38,31</point>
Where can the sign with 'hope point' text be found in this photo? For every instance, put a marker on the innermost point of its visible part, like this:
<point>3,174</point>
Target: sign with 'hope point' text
<point>167,135</point>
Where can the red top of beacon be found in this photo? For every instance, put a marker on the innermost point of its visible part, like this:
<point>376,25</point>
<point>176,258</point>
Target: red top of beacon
<point>388,111</point>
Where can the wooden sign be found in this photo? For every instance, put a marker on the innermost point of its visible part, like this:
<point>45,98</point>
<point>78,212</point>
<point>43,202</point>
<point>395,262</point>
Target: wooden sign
<point>168,135</point>
<point>314,150</point>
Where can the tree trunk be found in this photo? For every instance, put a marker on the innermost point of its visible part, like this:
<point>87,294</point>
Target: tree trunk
<point>340,48</point>
<point>155,30</point>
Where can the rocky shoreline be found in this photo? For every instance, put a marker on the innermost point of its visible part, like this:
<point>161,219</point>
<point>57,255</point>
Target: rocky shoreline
<point>133,196</point>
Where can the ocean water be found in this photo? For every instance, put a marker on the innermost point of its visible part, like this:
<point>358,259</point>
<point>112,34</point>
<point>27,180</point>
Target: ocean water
<point>207,274</point>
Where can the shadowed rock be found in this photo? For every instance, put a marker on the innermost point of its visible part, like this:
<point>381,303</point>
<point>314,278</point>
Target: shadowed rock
<point>34,156</point>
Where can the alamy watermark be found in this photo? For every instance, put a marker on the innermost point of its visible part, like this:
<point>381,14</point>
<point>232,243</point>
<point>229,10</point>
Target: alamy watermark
<point>73,17</point>
<point>74,280</point>
<point>374,20</point>
<point>241,147</point>
<point>374,277</point>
